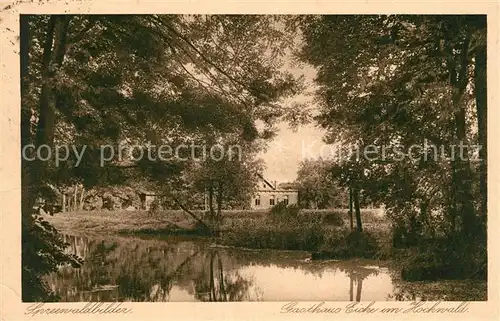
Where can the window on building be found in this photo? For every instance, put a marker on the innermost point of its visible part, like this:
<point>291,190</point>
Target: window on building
<point>285,199</point>
<point>257,201</point>
<point>271,200</point>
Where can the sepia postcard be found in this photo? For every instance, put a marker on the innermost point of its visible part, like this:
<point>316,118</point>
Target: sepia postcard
<point>189,160</point>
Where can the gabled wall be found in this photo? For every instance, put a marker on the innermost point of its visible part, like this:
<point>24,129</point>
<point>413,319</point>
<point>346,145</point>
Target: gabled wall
<point>279,195</point>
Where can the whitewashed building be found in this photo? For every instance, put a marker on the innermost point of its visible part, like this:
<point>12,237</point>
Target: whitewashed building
<point>268,194</point>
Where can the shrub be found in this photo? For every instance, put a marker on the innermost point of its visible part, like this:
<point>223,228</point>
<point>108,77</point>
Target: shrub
<point>281,229</point>
<point>244,213</point>
<point>361,244</point>
<point>43,249</point>
<point>339,217</point>
<point>348,245</point>
<point>445,258</point>
<point>280,237</point>
<point>288,228</point>
<point>284,213</point>
<point>333,219</point>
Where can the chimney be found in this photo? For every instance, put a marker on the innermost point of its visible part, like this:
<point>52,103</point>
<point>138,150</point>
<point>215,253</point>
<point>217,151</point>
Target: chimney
<point>275,184</point>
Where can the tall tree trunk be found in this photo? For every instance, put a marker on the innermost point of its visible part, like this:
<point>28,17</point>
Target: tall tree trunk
<point>45,126</point>
<point>424,216</point>
<point>26,112</point>
<point>351,219</point>
<point>28,194</point>
<point>205,199</point>
<point>81,198</point>
<point>75,202</point>
<point>357,208</point>
<point>220,193</point>
<point>452,202</point>
<point>211,201</point>
<point>463,175</point>
<point>457,62</point>
<point>56,37</point>
<point>480,91</point>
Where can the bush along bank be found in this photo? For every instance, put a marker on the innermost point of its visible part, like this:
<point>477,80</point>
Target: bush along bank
<point>282,228</point>
<point>450,258</point>
<point>348,245</point>
<point>287,228</point>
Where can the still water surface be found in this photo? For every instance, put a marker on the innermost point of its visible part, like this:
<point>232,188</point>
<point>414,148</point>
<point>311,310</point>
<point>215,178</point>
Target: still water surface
<point>179,269</point>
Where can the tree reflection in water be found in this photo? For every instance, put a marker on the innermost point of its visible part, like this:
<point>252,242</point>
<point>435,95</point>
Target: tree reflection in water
<point>182,269</point>
<point>356,277</point>
<point>122,269</point>
<point>147,270</point>
<point>215,286</point>
<point>131,286</point>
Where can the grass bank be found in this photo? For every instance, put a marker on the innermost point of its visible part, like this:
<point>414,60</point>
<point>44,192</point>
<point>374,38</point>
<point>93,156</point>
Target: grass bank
<point>120,222</point>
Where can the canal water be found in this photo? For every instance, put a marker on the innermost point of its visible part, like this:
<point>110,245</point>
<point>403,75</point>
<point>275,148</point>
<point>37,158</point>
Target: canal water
<point>180,269</point>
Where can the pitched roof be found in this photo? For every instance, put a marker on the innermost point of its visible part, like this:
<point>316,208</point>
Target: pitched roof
<point>266,181</point>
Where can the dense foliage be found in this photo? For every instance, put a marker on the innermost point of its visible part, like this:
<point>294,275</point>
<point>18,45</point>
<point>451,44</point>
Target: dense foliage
<point>318,187</point>
<point>396,82</point>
